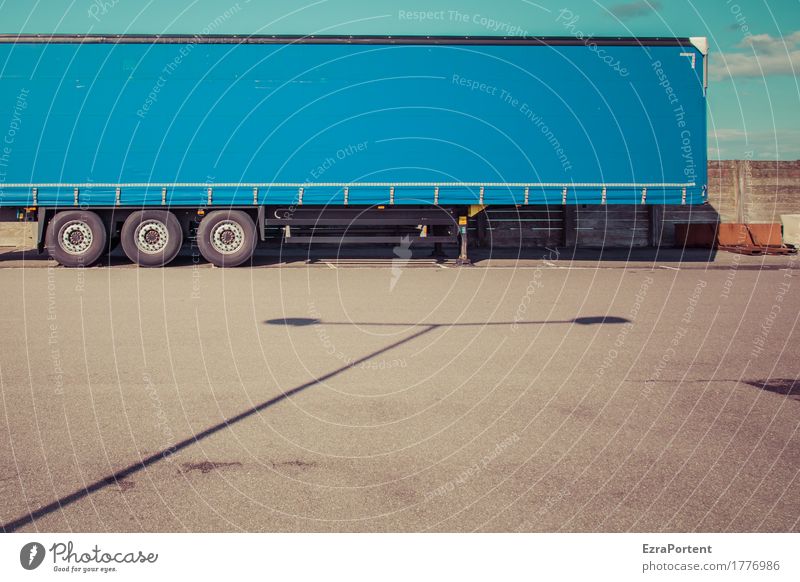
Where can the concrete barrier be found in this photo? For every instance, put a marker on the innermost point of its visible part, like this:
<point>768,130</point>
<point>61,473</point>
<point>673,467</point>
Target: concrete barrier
<point>18,234</point>
<point>791,229</point>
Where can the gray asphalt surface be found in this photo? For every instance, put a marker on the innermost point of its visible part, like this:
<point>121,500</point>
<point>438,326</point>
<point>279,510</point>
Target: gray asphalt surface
<point>370,395</point>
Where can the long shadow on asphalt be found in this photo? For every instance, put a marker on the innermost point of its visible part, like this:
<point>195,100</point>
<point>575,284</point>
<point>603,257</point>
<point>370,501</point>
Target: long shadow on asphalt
<point>120,475</point>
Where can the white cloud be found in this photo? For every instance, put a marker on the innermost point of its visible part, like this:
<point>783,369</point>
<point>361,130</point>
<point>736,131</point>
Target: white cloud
<point>764,55</point>
<point>725,143</point>
<point>727,134</point>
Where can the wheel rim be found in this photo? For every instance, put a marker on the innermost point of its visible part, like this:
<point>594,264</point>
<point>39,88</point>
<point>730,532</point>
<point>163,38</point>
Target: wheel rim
<point>227,237</point>
<point>151,237</point>
<point>75,237</point>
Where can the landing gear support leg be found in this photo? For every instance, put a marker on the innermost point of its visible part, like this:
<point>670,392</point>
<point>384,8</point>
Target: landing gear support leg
<point>463,257</point>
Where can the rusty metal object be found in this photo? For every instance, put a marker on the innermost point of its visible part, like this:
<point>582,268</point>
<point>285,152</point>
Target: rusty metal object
<point>744,239</point>
<point>766,235</point>
<point>733,235</point>
<point>735,238</point>
<point>755,239</point>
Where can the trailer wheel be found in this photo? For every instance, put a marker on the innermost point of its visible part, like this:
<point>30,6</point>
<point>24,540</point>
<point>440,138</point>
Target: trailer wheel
<point>151,238</point>
<point>226,238</point>
<point>76,238</point>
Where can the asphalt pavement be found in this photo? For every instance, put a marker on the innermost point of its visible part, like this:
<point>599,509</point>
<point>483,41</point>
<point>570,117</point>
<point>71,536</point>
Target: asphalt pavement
<point>550,392</point>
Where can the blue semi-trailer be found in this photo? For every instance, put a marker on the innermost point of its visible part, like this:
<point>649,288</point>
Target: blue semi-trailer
<point>154,140</point>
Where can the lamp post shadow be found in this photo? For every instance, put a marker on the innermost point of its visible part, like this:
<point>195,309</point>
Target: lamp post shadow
<point>142,464</point>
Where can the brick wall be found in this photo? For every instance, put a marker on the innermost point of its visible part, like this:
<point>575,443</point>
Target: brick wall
<point>754,191</point>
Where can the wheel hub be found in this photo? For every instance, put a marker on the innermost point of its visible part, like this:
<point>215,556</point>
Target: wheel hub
<point>151,236</point>
<point>227,237</point>
<point>76,237</point>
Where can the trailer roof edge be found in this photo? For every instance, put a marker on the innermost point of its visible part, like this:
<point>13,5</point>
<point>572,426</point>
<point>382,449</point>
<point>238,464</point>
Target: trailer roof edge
<point>341,39</point>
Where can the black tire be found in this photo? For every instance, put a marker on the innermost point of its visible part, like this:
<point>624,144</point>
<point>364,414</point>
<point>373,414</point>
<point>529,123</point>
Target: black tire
<point>227,238</point>
<point>76,238</point>
<point>151,238</point>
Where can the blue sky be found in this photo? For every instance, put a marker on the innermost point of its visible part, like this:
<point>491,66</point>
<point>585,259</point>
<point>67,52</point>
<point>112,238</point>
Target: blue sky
<point>754,97</point>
